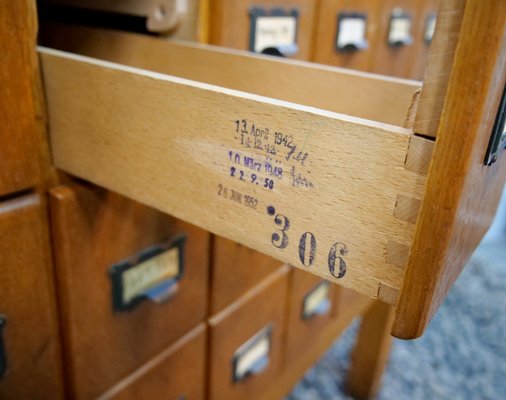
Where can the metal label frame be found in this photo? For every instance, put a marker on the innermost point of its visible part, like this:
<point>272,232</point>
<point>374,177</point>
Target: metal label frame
<point>352,47</point>
<point>116,271</point>
<point>256,12</point>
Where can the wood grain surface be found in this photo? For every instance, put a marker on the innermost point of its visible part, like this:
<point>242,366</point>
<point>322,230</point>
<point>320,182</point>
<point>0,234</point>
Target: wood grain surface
<point>179,150</point>
<point>462,193</point>
<point>31,338</point>
<point>94,229</point>
<point>362,95</point>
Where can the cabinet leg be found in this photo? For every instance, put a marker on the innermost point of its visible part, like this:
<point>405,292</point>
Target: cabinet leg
<point>371,351</point>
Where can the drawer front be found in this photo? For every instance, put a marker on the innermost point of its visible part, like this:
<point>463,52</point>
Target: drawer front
<point>257,24</point>
<point>246,341</point>
<point>176,373</point>
<point>236,269</point>
<point>396,48</point>
<point>311,309</point>
<point>29,359</point>
<point>19,153</point>
<point>346,33</point>
<point>96,233</point>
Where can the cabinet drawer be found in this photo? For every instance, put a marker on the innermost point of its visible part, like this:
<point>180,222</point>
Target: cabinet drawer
<point>246,341</point>
<point>273,154</point>
<point>311,304</point>
<point>29,349</point>
<point>176,373</point>
<point>236,269</point>
<point>346,33</point>
<point>258,24</point>
<point>95,231</point>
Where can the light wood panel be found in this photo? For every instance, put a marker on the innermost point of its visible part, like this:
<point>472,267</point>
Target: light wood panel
<point>439,66</point>
<point>344,91</point>
<point>462,193</point>
<point>175,151</point>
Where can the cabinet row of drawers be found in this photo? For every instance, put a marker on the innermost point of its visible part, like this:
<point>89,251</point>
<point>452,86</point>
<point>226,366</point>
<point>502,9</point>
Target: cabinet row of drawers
<point>389,37</point>
<point>232,322</point>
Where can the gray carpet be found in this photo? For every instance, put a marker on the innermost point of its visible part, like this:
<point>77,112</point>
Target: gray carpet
<point>462,355</point>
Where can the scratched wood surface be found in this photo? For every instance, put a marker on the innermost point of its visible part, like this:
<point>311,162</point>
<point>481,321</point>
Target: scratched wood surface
<point>462,193</point>
<point>349,92</point>
<point>178,146</point>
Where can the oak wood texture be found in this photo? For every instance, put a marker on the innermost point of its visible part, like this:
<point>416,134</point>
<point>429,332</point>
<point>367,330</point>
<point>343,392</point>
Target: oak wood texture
<point>19,155</point>
<point>235,270</point>
<point>175,373</point>
<point>300,331</point>
<point>325,51</point>
<point>370,353</point>
<point>462,193</point>
<point>92,230</point>
<point>388,60</point>
<point>439,66</point>
<point>256,309</point>
<point>375,97</point>
<point>315,348</point>
<point>230,22</point>
<point>30,335</point>
<point>175,149</point>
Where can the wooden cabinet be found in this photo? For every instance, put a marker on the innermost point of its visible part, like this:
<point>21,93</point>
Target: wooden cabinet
<point>94,229</point>
<point>175,373</point>
<point>30,339</point>
<point>232,23</point>
<point>236,269</point>
<point>311,304</point>
<point>246,341</point>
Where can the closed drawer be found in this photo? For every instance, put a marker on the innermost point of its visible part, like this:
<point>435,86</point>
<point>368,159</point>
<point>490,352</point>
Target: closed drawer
<point>246,341</point>
<point>257,25</point>
<point>236,269</point>
<point>29,347</point>
<point>311,304</point>
<point>110,330</point>
<point>347,33</point>
<point>176,373</point>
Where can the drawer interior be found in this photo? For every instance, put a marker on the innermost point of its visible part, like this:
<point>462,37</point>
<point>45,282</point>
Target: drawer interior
<point>311,165</point>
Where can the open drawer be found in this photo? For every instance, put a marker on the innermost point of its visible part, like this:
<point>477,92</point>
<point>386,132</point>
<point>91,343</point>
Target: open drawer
<point>318,167</point>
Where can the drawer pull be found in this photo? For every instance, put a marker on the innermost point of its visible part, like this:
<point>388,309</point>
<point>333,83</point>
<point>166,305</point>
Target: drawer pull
<point>252,358</point>
<point>399,32</point>
<point>274,29</point>
<point>351,32</point>
<point>152,274</point>
<point>3,358</point>
<point>498,137</point>
<point>317,302</point>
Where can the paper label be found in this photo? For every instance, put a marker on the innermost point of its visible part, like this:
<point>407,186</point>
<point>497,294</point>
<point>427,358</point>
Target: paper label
<point>253,356</point>
<point>315,298</point>
<point>400,30</point>
<point>138,279</point>
<point>278,32</point>
<point>351,32</point>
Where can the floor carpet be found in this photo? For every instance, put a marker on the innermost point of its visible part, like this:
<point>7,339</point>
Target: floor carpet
<point>462,355</point>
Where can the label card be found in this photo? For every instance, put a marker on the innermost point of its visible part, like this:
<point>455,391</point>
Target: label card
<point>351,32</point>
<point>3,358</point>
<point>276,29</point>
<point>399,33</point>
<point>317,301</point>
<point>252,357</point>
<point>153,274</point>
